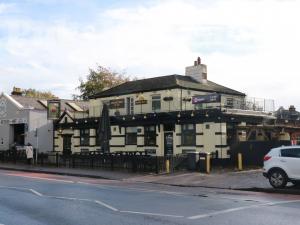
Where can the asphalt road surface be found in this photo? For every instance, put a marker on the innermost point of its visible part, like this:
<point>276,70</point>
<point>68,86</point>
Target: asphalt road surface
<point>34,199</point>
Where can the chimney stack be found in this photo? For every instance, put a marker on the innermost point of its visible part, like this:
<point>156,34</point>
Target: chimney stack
<point>198,72</point>
<point>17,91</point>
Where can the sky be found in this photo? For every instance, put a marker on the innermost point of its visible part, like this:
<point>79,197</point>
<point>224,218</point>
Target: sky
<point>252,46</point>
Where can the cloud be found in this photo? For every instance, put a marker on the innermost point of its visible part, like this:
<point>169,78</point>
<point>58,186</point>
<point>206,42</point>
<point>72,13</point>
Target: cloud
<point>249,45</point>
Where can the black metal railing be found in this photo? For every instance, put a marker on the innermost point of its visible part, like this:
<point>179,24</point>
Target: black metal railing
<point>123,161</point>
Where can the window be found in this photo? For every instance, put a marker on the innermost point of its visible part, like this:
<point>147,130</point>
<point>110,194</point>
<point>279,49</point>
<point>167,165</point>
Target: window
<point>199,106</point>
<point>150,136</point>
<point>84,137</point>
<point>131,136</point>
<point>229,103</point>
<point>291,152</point>
<point>188,136</point>
<point>156,103</point>
<point>129,106</point>
<point>97,137</point>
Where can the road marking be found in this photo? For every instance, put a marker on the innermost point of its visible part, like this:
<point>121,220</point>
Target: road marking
<point>42,178</point>
<point>106,205</point>
<point>201,216</point>
<point>281,202</point>
<point>36,192</point>
<point>152,214</point>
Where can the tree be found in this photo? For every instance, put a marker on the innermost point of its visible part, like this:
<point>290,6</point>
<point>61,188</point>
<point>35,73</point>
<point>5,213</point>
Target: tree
<point>38,94</point>
<point>99,80</point>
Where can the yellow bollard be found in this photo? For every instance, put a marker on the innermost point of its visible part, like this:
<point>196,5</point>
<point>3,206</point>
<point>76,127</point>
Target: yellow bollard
<point>167,166</point>
<point>208,163</point>
<point>240,161</point>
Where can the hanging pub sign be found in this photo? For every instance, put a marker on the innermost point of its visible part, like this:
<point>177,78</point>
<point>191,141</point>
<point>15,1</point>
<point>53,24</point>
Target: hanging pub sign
<point>53,112</point>
<point>117,103</point>
<point>206,98</point>
<point>141,102</point>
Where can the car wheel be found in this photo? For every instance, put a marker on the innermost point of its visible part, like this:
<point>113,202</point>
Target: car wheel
<point>278,179</point>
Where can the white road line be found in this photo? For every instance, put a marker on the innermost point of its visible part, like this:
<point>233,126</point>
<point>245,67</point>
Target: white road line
<point>106,205</point>
<point>281,202</point>
<point>220,212</point>
<point>43,178</point>
<point>240,208</point>
<point>152,214</point>
<point>36,192</point>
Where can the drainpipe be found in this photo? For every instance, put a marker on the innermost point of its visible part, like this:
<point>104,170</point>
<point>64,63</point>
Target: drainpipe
<point>180,99</point>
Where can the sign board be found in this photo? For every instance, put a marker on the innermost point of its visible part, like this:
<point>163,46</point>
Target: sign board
<point>13,121</point>
<point>168,143</point>
<point>53,112</point>
<point>117,103</point>
<point>206,98</point>
<point>141,102</point>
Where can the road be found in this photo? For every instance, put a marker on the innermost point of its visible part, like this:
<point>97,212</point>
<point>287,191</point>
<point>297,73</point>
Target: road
<point>34,199</point>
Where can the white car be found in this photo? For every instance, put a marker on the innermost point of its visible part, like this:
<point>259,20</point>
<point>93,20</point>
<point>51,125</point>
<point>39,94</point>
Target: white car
<point>282,165</point>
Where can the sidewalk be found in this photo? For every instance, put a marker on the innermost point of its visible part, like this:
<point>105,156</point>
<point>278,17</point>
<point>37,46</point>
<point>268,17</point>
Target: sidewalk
<point>242,180</point>
<point>92,173</point>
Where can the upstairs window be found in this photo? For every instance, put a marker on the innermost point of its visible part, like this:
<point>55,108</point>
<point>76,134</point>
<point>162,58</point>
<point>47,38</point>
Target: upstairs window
<point>84,137</point>
<point>156,103</point>
<point>149,135</point>
<point>129,106</point>
<point>229,103</point>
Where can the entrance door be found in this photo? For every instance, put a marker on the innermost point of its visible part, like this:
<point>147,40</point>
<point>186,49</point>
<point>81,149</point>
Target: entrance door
<point>168,143</point>
<point>67,144</point>
<point>19,133</point>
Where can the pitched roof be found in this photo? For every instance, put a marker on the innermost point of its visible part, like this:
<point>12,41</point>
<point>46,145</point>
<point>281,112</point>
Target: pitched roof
<point>165,82</point>
<point>38,103</point>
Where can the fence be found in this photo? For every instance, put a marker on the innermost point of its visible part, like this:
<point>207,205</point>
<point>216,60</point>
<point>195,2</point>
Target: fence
<point>253,152</point>
<point>128,161</point>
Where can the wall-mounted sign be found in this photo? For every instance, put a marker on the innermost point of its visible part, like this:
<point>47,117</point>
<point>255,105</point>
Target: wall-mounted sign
<point>141,102</point>
<point>13,121</point>
<point>53,112</point>
<point>117,103</point>
<point>206,98</point>
<point>167,99</point>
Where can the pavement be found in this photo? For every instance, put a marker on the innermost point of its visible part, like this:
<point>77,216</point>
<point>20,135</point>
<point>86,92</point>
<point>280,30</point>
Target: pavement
<point>251,180</point>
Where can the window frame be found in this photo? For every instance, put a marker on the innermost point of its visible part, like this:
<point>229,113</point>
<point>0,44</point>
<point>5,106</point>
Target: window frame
<point>185,133</point>
<point>158,100</point>
<point>131,135</point>
<point>84,137</point>
<point>297,156</point>
<point>149,135</point>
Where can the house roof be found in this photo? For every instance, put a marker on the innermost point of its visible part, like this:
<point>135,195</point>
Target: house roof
<point>39,103</point>
<point>165,82</point>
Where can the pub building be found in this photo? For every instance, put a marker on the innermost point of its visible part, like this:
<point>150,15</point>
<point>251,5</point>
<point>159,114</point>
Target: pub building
<point>168,115</point>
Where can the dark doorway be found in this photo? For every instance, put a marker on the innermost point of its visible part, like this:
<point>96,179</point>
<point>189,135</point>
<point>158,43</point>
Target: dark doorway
<point>67,144</point>
<point>19,134</point>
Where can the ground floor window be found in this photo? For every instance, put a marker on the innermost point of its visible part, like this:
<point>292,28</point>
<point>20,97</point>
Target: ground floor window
<point>131,136</point>
<point>84,137</point>
<point>149,135</point>
<point>188,135</point>
<point>97,137</point>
